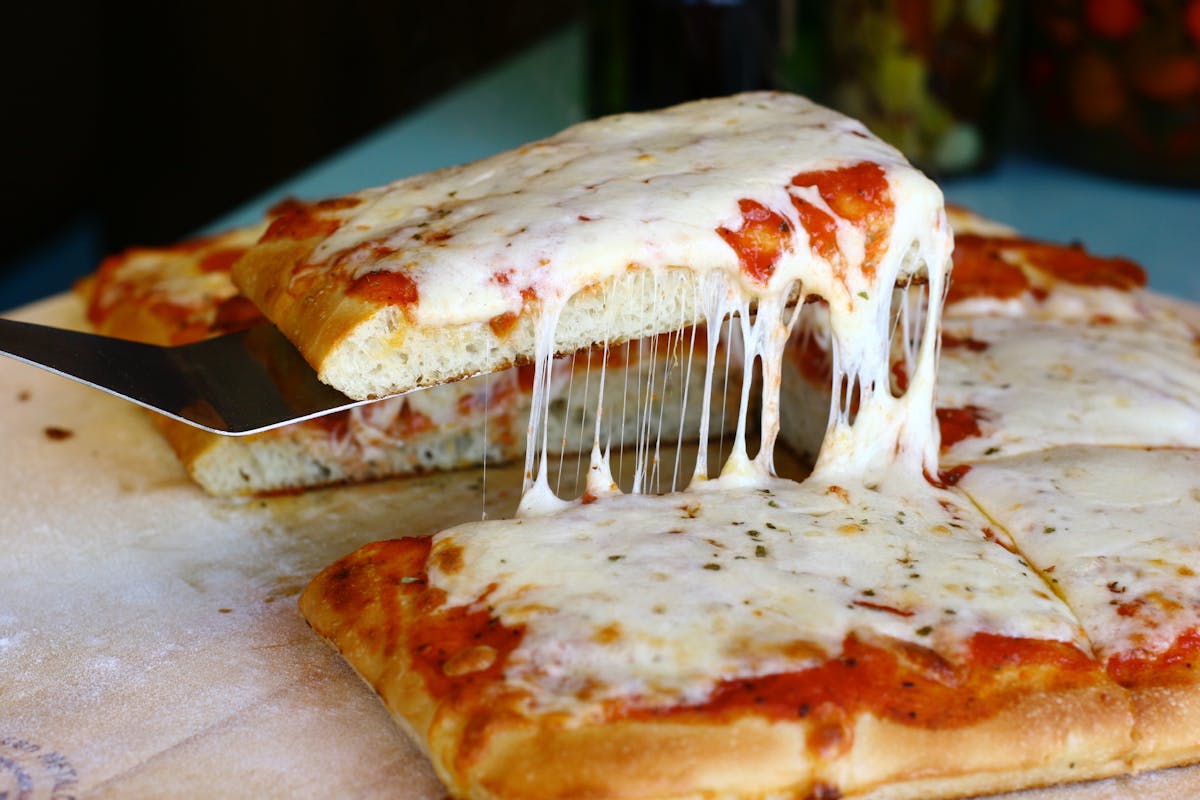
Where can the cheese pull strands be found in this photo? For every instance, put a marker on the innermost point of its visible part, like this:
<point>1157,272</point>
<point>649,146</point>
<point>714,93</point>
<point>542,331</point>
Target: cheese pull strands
<point>874,424</point>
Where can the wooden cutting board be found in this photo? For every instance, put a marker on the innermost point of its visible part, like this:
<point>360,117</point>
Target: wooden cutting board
<point>150,644</point>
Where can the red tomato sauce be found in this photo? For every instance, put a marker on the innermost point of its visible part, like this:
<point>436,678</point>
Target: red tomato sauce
<point>957,424</point>
<point>948,477</point>
<point>296,220</point>
<point>760,242</point>
<point>221,260</point>
<point>980,270</point>
<point>385,287</point>
<point>1073,264</point>
<point>907,684</point>
<point>858,194</point>
<point>1180,661</point>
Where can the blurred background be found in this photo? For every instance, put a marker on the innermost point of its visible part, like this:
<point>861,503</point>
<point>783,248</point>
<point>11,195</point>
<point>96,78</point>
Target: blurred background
<point>134,127</point>
<point>137,124</point>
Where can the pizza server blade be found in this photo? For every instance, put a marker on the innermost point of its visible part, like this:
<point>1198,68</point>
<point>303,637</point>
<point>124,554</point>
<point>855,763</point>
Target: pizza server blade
<point>236,384</point>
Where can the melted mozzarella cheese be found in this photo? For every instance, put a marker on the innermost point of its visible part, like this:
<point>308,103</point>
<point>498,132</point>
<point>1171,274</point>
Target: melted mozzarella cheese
<point>659,598</point>
<point>1040,383</point>
<point>1062,303</point>
<point>1117,530</point>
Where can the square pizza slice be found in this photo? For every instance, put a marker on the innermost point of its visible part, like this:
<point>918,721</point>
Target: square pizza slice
<point>611,230</point>
<point>798,640</point>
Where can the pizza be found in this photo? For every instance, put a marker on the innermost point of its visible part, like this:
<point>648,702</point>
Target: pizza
<point>183,293</point>
<point>896,625</point>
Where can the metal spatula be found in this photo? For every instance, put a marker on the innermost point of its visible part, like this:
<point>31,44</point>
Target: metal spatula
<point>240,383</point>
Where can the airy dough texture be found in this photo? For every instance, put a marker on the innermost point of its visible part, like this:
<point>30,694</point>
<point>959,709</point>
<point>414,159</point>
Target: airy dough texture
<point>367,350</point>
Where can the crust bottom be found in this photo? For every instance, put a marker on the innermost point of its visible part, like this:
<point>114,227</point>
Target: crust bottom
<point>299,457</point>
<point>308,455</point>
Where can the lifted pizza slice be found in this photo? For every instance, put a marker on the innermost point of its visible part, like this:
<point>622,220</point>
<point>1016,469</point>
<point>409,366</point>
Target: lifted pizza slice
<point>1117,533</point>
<point>606,232</point>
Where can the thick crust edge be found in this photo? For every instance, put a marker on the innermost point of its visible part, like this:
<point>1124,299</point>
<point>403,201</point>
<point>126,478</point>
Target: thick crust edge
<point>366,350</point>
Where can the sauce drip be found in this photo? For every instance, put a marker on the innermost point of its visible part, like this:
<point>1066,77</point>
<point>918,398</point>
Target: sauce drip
<point>906,684</point>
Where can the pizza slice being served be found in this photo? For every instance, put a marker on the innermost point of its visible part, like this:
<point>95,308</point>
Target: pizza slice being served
<point>606,232</point>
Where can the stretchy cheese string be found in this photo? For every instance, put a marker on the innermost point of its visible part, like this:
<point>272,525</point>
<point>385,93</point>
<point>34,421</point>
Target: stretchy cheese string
<point>685,379</point>
<point>870,425</point>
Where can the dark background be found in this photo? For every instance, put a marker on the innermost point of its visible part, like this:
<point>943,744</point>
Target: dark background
<point>138,123</point>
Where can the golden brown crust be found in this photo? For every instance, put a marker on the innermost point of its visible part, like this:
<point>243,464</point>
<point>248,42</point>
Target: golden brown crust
<point>316,320</point>
<point>1045,739</point>
<point>486,743</point>
<point>1166,722</point>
